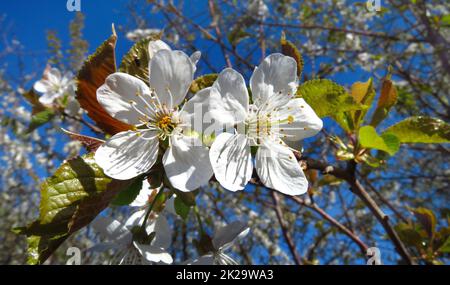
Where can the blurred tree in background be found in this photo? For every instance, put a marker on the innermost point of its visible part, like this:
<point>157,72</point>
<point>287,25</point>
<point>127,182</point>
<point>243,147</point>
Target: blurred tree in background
<point>398,204</point>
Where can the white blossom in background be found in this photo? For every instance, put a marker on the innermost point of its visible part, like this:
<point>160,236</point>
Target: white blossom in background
<point>72,148</point>
<point>141,34</point>
<point>156,116</point>
<point>352,41</point>
<point>258,9</point>
<point>73,108</point>
<point>120,238</point>
<point>274,120</point>
<point>142,200</point>
<point>54,85</point>
<point>370,62</point>
<point>224,238</point>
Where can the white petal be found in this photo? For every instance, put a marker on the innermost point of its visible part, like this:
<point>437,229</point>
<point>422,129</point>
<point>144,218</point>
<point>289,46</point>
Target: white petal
<point>163,236</point>
<point>278,169</point>
<point>195,57</point>
<point>48,98</point>
<point>73,107</point>
<point>202,260</point>
<point>171,76</point>
<point>197,115</point>
<point>229,97</point>
<point>304,121</point>
<point>231,161</point>
<point>104,246</point>
<point>223,259</point>
<point>155,46</point>
<point>276,75</point>
<point>118,93</point>
<point>53,75</point>
<point>226,235</point>
<point>41,86</point>
<point>127,155</point>
<point>186,163</point>
<point>153,253</point>
<point>170,205</point>
<point>141,199</point>
<point>112,230</point>
<point>135,219</point>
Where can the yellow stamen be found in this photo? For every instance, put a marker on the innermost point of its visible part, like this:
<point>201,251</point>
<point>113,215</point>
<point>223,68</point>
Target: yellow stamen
<point>290,119</point>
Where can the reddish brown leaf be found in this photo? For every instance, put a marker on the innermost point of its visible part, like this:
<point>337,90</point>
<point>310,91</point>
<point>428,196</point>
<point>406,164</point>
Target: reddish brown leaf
<point>33,99</point>
<point>91,76</point>
<point>91,144</point>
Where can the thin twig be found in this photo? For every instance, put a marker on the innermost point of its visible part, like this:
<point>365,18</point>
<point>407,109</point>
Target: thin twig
<point>383,219</point>
<point>362,246</point>
<point>285,229</point>
<point>215,24</point>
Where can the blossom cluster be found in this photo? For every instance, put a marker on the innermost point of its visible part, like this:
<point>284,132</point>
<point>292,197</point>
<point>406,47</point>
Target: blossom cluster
<point>220,131</point>
<point>164,124</point>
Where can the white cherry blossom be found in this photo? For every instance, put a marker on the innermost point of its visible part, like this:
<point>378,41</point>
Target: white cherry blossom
<point>141,34</point>
<point>156,117</point>
<point>223,239</point>
<point>142,200</point>
<point>121,237</point>
<point>258,9</point>
<point>54,85</point>
<point>274,119</point>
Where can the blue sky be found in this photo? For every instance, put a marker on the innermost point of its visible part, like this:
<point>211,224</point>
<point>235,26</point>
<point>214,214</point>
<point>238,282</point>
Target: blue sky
<point>29,21</point>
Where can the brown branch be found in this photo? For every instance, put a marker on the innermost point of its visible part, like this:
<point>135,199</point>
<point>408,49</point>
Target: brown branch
<point>355,186</point>
<point>383,219</point>
<point>338,29</point>
<point>384,200</point>
<point>208,35</point>
<point>93,128</point>
<point>215,24</point>
<point>285,229</point>
<point>362,246</point>
<point>432,36</point>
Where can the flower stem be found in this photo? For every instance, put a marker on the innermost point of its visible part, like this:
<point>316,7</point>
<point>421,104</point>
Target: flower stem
<point>144,222</point>
<point>199,219</point>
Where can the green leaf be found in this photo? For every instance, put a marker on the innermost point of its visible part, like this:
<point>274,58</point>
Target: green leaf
<point>387,142</point>
<point>135,62</point>
<point>33,99</point>
<point>421,130</point>
<point>181,208</point>
<point>326,97</point>
<point>70,199</point>
<point>388,98</point>
<point>427,219</point>
<point>40,119</point>
<point>363,93</point>
<point>203,82</point>
<point>289,49</point>
<point>370,160</point>
<point>445,248</point>
<point>155,178</point>
<point>409,235</point>
<point>329,180</point>
<point>236,35</point>
<point>188,198</point>
<point>445,20</point>
<point>128,195</point>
